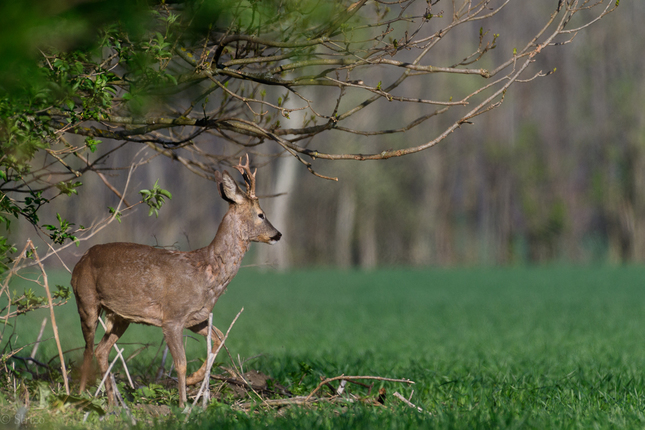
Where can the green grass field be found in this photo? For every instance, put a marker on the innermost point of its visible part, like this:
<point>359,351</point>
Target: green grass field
<point>552,347</point>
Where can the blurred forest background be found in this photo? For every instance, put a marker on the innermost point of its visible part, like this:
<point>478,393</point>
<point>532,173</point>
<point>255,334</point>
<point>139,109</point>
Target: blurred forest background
<point>556,174</point>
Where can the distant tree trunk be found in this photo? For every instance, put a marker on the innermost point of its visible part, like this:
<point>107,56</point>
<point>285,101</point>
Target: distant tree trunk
<point>424,243</point>
<point>639,189</point>
<point>278,211</point>
<point>368,249</point>
<point>345,215</point>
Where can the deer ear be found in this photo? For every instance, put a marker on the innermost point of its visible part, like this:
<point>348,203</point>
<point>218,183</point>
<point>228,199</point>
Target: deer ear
<point>228,188</point>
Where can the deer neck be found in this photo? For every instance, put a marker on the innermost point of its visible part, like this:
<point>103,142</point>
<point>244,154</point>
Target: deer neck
<point>229,246</point>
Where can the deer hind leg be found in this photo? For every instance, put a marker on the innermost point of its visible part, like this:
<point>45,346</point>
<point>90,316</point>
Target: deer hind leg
<point>89,319</point>
<point>174,340</point>
<point>116,326</point>
<point>216,337</point>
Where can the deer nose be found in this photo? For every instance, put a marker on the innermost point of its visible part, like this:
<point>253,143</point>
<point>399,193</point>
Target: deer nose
<point>276,237</point>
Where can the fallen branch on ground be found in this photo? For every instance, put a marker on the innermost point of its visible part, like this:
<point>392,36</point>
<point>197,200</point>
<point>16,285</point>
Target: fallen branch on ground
<point>310,399</point>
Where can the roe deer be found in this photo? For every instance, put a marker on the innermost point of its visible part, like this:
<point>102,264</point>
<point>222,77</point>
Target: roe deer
<point>173,290</point>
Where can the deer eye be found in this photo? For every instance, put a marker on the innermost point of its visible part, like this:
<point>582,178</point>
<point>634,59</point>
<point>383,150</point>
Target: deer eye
<point>261,215</point>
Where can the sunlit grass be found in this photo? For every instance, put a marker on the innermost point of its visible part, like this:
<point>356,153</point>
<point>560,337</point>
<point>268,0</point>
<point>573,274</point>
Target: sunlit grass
<point>511,348</point>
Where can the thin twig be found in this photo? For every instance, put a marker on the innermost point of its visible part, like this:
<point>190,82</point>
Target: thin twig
<point>98,389</point>
<point>240,374</point>
<point>119,398</point>
<point>210,362</point>
<point>406,401</point>
<point>40,335</point>
<point>162,366</point>
<point>209,347</point>
<point>336,378</point>
<point>53,317</point>
<point>91,231</point>
<point>119,355</point>
<point>341,387</point>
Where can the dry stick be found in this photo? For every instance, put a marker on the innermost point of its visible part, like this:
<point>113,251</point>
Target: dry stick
<point>240,374</point>
<point>210,362</point>
<point>162,366</point>
<point>98,389</point>
<point>53,317</point>
<point>154,359</point>
<point>9,314</point>
<point>341,387</point>
<point>119,398</point>
<point>12,353</point>
<point>349,378</point>
<point>298,400</point>
<point>51,248</point>
<point>106,375</point>
<point>40,335</point>
<point>106,182</point>
<point>119,355</point>
<point>209,350</point>
<point>13,366</point>
<point>406,401</point>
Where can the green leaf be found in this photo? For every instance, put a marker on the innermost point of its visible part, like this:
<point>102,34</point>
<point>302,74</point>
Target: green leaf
<point>91,143</point>
<point>63,293</point>
<point>44,392</point>
<point>155,198</point>
<point>68,188</point>
<point>117,215</point>
<point>62,232</point>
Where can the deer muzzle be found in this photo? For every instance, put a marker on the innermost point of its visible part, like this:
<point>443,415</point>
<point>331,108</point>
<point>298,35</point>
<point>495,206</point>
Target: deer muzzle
<point>275,238</point>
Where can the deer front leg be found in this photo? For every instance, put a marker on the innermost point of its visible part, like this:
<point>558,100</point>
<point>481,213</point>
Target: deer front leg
<point>174,335</point>
<point>216,337</point>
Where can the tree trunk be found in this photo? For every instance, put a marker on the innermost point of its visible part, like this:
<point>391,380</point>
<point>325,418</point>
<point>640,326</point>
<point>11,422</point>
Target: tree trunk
<point>345,215</point>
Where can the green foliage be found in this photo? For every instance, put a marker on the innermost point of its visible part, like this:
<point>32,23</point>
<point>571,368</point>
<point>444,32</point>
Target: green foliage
<point>30,300</point>
<point>32,24</point>
<point>155,394</point>
<point>63,83</point>
<point>155,198</point>
<point>61,233</point>
<point>92,143</point>
<point>62,403</point>
<point>32,204</point>
<point>5,249</point>
<point>115,213</point>
<point>69,188</point>
<point>296,379</point>
<point>62,292</point>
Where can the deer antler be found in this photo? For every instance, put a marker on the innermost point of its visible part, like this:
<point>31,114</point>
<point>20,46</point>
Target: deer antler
<point>249,177</point>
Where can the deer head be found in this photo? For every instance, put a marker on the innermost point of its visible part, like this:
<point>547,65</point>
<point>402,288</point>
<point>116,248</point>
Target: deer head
<point>252,223</point>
